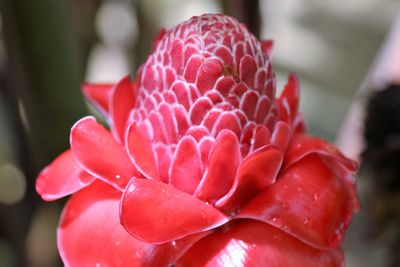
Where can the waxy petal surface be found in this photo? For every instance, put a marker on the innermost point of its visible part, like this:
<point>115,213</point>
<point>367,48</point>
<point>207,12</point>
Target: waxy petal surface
<point>100,154</point>
<point>223,164</point>
<point>99,95</point>
<point>187,167</point>
<point>256,172</point>
<point>90,234</point>
<point>252,243</point>
<point>291,95</point>
<point>303,145</point>
<point>141,152</point>
<point>156,212</point>
<point>62,177</point>
<point>122,102</point>
<point>308,201</point>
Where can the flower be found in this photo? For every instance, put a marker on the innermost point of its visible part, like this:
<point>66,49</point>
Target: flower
<point>203,166</point>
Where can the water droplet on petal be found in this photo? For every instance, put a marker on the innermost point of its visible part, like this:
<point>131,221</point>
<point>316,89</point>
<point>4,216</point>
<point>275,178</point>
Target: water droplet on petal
<point>117,176</point>
<point>131,189</point>
<point>315,197</point>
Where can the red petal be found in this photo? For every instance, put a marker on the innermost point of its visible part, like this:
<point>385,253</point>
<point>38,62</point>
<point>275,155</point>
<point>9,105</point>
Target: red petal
<point>281,135</point>
<point>291,93</point>
<point>157,212</point>
<point>303,145</point>
<point>100,154</point>
<point>308,201</point>
<point>262,137</point>
<point>187,167</point>
<point>99,95</point>
<point>267,46</point>
<point>256,172</point>
<point>252,243</point>
<point>62,177</point>
<point>122,102</point>
<point>141,152</point>
<point>90,234</point>
<point>222,167</point>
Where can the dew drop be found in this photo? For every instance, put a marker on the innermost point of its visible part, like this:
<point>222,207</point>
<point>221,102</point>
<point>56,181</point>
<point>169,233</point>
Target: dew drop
<point>117,176</point>
<point>173,243</point>
<point>98,264</point>
<point>315,197</point>
<point>306,221</point>
<point>202,214</point>
<point>131,188</point>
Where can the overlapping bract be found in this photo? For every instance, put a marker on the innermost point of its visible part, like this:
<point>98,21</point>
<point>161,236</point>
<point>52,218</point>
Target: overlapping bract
<point>200,159</point>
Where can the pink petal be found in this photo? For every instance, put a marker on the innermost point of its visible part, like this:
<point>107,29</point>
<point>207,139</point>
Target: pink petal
<point>249,103</point>
<point>199,109</point>
<point>192,67</point>
<point>223,163</point>
<point>164,158</point>
<point>141,152</point>
<point>252,243</point>
<point>224,85</point>
<point>247,70</point>
<point>156,212</point>
<point>308,201</point>
<point>255,173</point>
<point>187,167</point>
<point>99,154</point>
<point>224,54</point>
<point>99,95</point>
<point>208,74</point>
<point>61,178</point>
<point>303,145</point>
<point>122,102</point>
<point>177,56</point>
<point>227,120</point>
<point>90,234</point>
<point>182,93</point>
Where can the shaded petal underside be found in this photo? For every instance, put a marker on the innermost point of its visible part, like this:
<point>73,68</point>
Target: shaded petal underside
<point>62,177</point>
<point>252,243</point>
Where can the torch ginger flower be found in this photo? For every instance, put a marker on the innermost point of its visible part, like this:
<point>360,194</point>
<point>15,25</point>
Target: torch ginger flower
<point>203,166</point>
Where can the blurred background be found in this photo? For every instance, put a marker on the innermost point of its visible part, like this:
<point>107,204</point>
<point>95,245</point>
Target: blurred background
<point>343,52</point>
